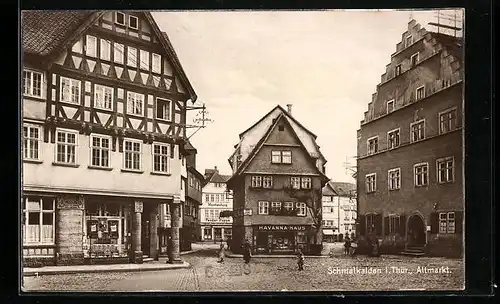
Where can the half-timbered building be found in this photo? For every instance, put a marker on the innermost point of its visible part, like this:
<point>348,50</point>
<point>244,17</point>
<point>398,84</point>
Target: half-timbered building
<point>104,113</point>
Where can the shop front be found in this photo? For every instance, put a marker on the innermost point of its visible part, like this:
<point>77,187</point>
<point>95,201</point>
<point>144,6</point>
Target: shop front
<point>280,239</point>
<point>216,233</point>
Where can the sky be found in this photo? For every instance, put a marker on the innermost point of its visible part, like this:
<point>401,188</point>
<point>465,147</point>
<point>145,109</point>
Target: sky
<point>327,64</point>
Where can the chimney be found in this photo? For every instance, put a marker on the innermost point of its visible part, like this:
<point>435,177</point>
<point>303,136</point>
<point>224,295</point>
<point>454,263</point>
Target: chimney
<point>289,106</point>
<point>215,168</point>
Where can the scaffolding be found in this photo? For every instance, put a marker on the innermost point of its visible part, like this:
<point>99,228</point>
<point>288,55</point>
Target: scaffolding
<point>449,23</point>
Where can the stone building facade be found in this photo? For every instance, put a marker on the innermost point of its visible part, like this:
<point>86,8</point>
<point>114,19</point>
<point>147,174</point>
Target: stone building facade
<point>410,149</point>
<point>103,133</point>
<point>278,174</point>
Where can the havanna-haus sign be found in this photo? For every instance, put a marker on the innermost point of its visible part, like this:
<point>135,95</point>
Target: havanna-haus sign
<point>281,228</point>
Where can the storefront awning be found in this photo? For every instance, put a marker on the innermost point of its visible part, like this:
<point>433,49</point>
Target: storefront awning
<point>328,231</point>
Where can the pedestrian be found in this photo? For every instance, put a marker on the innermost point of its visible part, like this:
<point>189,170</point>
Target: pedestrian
<point>228,243</point>
<point>247,252</point>
<point>347,245</point>
<point>221,253</point>
<point>300,260</point>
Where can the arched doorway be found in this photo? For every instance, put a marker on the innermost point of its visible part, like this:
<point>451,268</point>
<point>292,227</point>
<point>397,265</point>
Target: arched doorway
<point>416,231</point>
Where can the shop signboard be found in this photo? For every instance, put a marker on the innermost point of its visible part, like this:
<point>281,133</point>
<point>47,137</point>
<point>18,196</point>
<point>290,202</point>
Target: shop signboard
<point>281,227</point>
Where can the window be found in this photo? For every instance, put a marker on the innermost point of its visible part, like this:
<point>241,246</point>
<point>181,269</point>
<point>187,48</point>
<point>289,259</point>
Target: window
<point>91,46</point>
<point>286,157</point>
<point>281,128</point>
<point>120,18</point>
<point>276,157</point>
<point>394,223</point>
<point>132,154</point>
<point>447,222</point>
<point>66,142</point>
<point>103,97</point>
<point>283,157</point>
<point>100,150</point>
<point>131,57</point>
<point>390,106</point>
<point>118,53</point>
<point>417,130</point>
<point>263,207</point>
<point>306,183</point>
<point>447,121</point>
<point>420,93</point>
<point>295,182</point>
<point>371,182</point>
<point>31,139</point>
<point>445,168</point>
<point>144,60</point>
<point>70,90</point>
<point>421,174</point>
<point>135,103</point>
<point>394,177</point>
<point>133,22</point>
<point>256,181</point>
<point>398,70</point>
<point>372,145</point>
<point>275,208</point>
<point>32,83</point>
<point>105,49</point>
<point>393,139</point>
<point>288,208</point>
<point>267,181</point>
<point>38,220</point>
<point>370,223</point>
<point>414,60</point>
<point>212,197</point>
<point>301,209</point>
<point>409,40</point>
<point>156,63</point>
<point>161,159</point>
<point>163,109</point>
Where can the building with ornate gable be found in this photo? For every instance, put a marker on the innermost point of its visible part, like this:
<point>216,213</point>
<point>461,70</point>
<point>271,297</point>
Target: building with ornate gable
<point>103,135</point>
<point>278,174</point>
<point>410,149</point>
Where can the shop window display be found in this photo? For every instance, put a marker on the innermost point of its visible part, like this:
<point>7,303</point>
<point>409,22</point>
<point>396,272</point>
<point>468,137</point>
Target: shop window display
<point>105,231</point>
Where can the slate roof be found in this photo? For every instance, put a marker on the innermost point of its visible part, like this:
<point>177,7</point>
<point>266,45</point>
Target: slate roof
<point>44,31</point>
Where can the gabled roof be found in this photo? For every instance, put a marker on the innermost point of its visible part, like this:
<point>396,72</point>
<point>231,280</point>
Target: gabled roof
<point>343,189</point>
<point>213,176</point>
<point>328,189</point>
<point>46,33</point>
<point>249,139</point>
<point>256,148</point>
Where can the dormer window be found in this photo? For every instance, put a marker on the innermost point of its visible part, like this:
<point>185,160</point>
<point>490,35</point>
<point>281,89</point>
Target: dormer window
<point>133,22</point>
<point>120,18</point>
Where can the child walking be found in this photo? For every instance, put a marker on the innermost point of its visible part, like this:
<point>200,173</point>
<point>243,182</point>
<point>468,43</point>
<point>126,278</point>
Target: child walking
<point>300,260</point>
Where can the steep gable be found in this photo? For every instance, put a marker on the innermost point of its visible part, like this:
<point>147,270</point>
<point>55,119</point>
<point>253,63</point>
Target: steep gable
<point>53,34</point>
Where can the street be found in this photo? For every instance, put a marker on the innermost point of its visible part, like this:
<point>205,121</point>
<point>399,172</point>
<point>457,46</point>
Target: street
<point>270,274</point>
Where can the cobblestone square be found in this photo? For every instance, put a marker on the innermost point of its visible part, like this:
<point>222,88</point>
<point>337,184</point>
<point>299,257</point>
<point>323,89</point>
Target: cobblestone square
<point>271,274</point>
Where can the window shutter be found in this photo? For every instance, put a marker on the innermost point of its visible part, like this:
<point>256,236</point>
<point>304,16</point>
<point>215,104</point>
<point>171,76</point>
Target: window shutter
<point>378,224</point>
<point>361,224</point>
<point>386,225</point>
<point>434,222</point>
<point>402,225</point>
<point>459,215</point>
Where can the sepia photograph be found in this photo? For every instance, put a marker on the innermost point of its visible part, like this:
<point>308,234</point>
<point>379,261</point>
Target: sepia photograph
<point>243,150</point>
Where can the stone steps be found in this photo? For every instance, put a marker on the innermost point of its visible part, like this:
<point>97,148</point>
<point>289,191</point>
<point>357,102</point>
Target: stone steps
<point>414,251</point>
<point>146,259</point>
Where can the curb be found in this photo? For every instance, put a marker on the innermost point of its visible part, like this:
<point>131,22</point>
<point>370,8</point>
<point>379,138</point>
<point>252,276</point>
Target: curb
<point>33,273</point>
